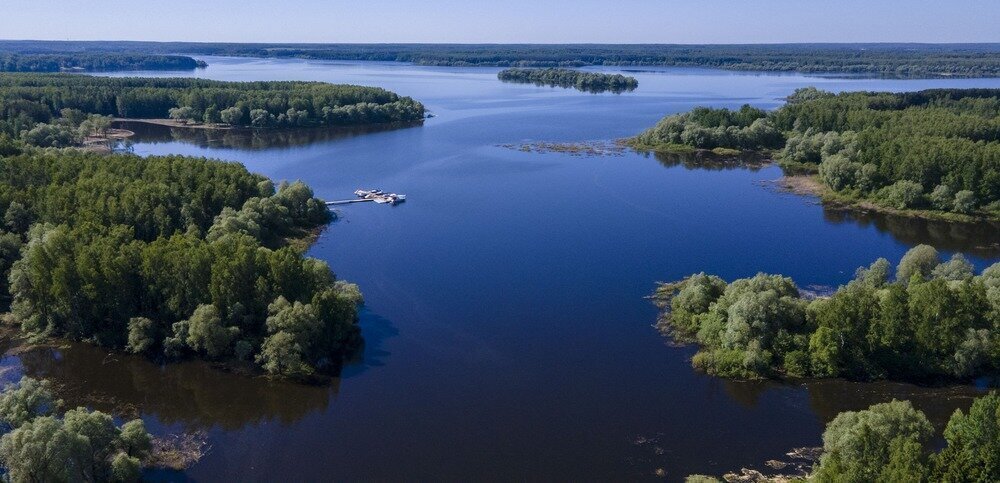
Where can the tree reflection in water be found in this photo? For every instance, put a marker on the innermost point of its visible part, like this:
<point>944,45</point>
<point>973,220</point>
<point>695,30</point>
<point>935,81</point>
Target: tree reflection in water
<point>251,139</point>
<point>192,394</point>
<point>711,161</point>
<point>978,239</point>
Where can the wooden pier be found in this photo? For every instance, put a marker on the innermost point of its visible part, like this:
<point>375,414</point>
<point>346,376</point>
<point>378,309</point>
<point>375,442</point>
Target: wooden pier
<point>378,196</point>
<point>344,202</point>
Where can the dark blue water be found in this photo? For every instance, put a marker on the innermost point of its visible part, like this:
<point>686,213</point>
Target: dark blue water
<point>508,336</point>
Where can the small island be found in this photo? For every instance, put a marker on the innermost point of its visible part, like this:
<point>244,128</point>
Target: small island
<point>594,82</point>
<point>933,321</point>
<point>933,153</point>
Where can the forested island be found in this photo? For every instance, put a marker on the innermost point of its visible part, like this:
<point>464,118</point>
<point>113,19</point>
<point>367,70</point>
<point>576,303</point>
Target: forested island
<point>933,152</point>
<point>893,441</point>
<point>930,320</point>
<point>99,62</point>
<point>582,81</point>
<point>172,256</point>
<point>49,110</point>
<point>879,59</point>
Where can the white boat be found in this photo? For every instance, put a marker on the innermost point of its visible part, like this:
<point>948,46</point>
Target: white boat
<point>380,196</point>
<point>368,193</point>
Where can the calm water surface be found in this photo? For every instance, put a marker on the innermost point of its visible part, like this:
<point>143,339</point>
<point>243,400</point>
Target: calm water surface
<point>508,337</point>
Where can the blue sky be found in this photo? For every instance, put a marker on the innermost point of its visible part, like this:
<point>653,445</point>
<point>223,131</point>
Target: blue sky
<point>505,21</point>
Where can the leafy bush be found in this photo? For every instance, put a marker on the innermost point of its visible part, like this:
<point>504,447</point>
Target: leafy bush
<point>937,321</point>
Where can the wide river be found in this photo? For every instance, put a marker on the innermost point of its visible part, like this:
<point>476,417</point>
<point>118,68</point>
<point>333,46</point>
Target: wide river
<point>508,337</point>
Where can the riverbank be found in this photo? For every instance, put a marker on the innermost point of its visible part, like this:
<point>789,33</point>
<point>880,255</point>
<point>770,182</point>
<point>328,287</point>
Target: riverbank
<point>810,185</point>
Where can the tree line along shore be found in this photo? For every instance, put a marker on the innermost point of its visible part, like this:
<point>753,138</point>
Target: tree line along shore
<point>172,256</point>
<point>167,257</point>
<point>930,153</point>
<point>95,62</point>
<point>59,110</point>
<point>874,59</point>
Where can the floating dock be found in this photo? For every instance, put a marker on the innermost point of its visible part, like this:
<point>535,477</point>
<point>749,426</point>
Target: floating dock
<point>376,195</point>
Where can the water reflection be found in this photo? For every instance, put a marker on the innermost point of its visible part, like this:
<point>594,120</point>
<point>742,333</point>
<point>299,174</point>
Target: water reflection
<point>829,397</point>
<point>978,239</point>
<point>251,139</point>
<point>572,85</point>
<point>191,394</point>
<point>710,161</point>
<point>376,330</point>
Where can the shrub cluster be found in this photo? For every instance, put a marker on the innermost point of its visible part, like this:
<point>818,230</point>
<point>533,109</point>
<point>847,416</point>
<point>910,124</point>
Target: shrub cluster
<point>937,320</point>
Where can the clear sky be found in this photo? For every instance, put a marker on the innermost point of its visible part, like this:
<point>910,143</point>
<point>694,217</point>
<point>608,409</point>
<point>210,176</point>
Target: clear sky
<point>505,21</point>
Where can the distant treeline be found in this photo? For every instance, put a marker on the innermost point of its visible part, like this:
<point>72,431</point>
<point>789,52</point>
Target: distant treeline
<point>100,62</point>
<point>892,60</point>
<point>26,100</point>
<point>931,150</point>
<point>583,81</point>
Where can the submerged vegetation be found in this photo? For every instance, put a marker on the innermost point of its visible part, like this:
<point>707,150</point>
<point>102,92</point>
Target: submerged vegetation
<point>39,101</point>
<point>937,320</point>
<point>881,59</point>
<point>582,81</point>
<point>935,150</point>
<point>100,62</point>
<point>171,256</point>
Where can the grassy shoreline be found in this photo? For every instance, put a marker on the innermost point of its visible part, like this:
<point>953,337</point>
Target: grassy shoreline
<point>802,179</point>
<point>810,185</point>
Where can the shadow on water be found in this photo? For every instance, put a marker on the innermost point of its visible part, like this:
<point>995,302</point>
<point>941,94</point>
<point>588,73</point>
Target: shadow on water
<point>830,397</point>
<point>978,239</point>
<point>195,395</point>
<point>250,139</point>
<point>376,330</point>
<point>192,394</point>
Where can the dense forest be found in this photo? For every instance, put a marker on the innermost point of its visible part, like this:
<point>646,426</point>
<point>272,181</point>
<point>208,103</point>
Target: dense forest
<point>930,150</point>
<point>39,102</point>
<point>893,442</point>
<point>893,60</point>
<point>170,257</point>
<point>43,441</point>
<point>103,62</point>
<point>582,81</point>
<point>932,320</point>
